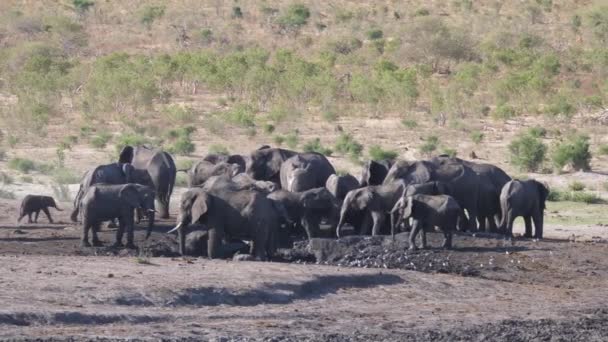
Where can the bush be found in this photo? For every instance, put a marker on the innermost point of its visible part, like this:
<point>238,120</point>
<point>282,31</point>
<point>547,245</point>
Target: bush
<point>82,5</point>
<point>278,140</point>
<point>329,116</point>
<point>295,16</point>
<point>218,149</point>
<point>603,150</point>
<point>292,139</point>
<point>450,152</point>
<point>477,137</point>
<point>574,151</point>
<point>422,12</point>
<point>574,196</point>
<point>184,164</point>
<point>269,128</point>
<point>411,124</point>
<point>179,115</point>
<point>537,132</point>
<point>131,139</point>
<point>314,145</point>
<point>150,13</point>
<point>560,105</point>
<point>237,13</point>
<point>375,34</point>
<point>101,140</point>
<point>527,152</point>
<point>377,153</point>
<point>430,145</point>
<point>182,142</point>
<point>241,115</point>
<point>22,165</point>
<point>576,186</point>
<point>347,145</point>
<point>5,178</point>
<point>504,112</point>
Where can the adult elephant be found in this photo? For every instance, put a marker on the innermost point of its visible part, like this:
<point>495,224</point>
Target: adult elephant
<point>523,198</point>
<point>375,202</point>
<point>201,171</point>
<point>374,172</point>
<point>265,164</point>
<point>230,214</point>
<point>339,186</point>
<point>491,180</point>
<point>114,173</point>
<point>305,171</point>
<point>462,181</point>
<point>159,170</point>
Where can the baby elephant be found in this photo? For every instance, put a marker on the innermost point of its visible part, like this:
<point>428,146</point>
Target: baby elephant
<point>34,204</point>
<point>104,202</point>
<point>427,212</point>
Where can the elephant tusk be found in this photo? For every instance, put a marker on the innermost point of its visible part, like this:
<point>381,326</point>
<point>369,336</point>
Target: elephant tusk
<point>152,211</point>
<point>174,229</point>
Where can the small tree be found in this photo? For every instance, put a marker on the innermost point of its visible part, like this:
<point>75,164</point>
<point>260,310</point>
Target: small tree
<point>376,152</point>
<point>294,17</point>
<point>347,145</point>
<point>527,152</point>
<point>574,151</point>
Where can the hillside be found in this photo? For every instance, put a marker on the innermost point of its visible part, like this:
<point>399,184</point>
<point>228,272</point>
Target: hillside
<point>414,78</point>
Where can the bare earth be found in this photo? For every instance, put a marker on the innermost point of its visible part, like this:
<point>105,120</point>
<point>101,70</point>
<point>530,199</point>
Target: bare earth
<point>529,290</point>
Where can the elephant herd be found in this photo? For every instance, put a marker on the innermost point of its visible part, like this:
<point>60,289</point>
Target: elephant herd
<point>272,195</point>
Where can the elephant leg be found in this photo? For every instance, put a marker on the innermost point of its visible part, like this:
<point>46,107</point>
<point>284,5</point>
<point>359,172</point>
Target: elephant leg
<point>509,227</point>
<point>378,218</point>
<point>130,236</point>
<point>36,216</point>
<point>538,224</point>
<point>482,223</point>
<point>416,225</point>
<point>119,233</point>
<point>48,214</point>
<point>423,236</point>
<point>214,243</point>
<point>29,217</point>
<point>21,217</point>
<point>528,222</point>
<point>472,219</point>
<point>85,234</point>
<point>311,225</point>
<point>491,224</point>
<point>95,229</point>
<point>366,225</point>
<point>162,208</point>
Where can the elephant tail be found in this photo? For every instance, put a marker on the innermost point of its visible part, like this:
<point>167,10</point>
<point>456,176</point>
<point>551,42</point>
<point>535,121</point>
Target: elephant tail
<point>503,214</point>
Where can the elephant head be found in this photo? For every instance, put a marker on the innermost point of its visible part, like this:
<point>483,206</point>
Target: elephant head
<point>401,211</point>
<point>266,163</point>
<point>358,199</point>
<point>50,202</point>
<point>300,178</point>
<point>130,195</point>
<point>374,172</point>
<point>319,198</point>
<point>194,204</point>
<point>126,155</point>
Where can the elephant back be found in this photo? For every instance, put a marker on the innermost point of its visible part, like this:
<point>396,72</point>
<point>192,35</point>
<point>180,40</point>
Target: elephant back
<point>417,172</point>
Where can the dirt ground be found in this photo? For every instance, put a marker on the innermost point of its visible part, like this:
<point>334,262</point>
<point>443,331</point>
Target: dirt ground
<point>354,289</point>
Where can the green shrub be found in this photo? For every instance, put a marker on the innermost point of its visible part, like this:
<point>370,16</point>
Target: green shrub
<point>83,5</point>
<point>184,164</point>
<point>527,152</point>
<point>295,15</point>
<point>576,186</point>
<point>422,12</point>
<point>179,115</point>
<point>237,13</point>
<point>292,139</point>
<point>449,152</point>
<point>430,145</point>
<point>218,149</point>
<point>278,139</point>
<point>603,150</point>
<point>375,34</point>
<point>574,151</point>
<point>5,178</point>
<point>329,116</point>
<point>131,139</point>
<point>251,132</point>
<point>181,143</point>
<point>411,124</point>
<point>149,14</point>
<point>377,153</point>
<point>101,140</point>
<point>347,145</point>
<point>574,196</point>
<point>560,105</point>
<point>314,145</point>
<point>5,194</point>
<point>269,128</point>
<point>241,115</point>
<point>598,22</point>
<point>537,131</point>
<point>22,165</point>
<point>504,112</point>
<point>477,137</point>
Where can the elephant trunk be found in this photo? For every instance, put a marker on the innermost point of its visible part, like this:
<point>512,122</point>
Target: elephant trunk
<point>503,213</point>
<point>163,207</point>
<point>57,208</point>
<point>74,215</point>
<point>151,215</point>
<point>342,218</point>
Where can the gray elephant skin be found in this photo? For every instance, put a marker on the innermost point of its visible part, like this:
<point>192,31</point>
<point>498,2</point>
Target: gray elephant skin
<point>523,198</point>
<point>160,172</point>
<point>201,171</point>
<point>308,208</point>
<point>265,164</point>
<point>461,179</point>
<point>374,172</point>
<point>427,212</point>
<point>229,213</point>
<point>339,186</point>
<point>33,204</point>
<point>216,158</point>
<point>114,173</point>
<point>103,202</point>
<point>375,202</point>
<point>305,171</point>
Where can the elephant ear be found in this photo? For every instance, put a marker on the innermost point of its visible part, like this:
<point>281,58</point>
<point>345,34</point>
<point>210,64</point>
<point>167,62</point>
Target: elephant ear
<point>130,195</point>
<point>543,193</point>
<point>126,155</point>
<point>364,199</point>
<point>409,208</point>
<point>129,171</point>
<point>200,206</point>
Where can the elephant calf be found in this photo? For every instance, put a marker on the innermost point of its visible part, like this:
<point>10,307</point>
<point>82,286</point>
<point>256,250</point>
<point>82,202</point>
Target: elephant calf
<point>33,204</point>
<point>428,211</point>
<point>104,202</point>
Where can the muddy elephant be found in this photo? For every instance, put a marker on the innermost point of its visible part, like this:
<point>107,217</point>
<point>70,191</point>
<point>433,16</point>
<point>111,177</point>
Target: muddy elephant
<point>229,214</point>
<point>339,186</point>
<point>461,179</point>
<point>374,172</point>
<point>158,169</point>
<point>305,171</point>
<point>201,171</point>
<point>114,173</point>
<point>375,202</point>
<point>523,198</point>
<point>33,204</point>
<point>265,164</point>
<point>427,212</point>
<point>308,208</point>
<point>103,202</point>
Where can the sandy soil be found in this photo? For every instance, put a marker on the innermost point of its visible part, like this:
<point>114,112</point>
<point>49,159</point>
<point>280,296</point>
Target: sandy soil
<point>486,289</point>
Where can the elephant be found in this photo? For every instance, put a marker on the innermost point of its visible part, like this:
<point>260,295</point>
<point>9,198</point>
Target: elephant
<point>229,214</point>
<point>157,169</point>
<point>491,181</point>
<point>429,188</point>
<point>339,186</point>
<point>104,202</point>
<point>374,172</point>
<point>265,164</point>
<point>196,245</point>
<point>33,204</point>
<point>305,171</point>
<point>523,198</point>
<point>114,173</point>
<point>375,201</point>
<point>216,158</point>
<point>200,172</point>
<point>427,212</point>
<point>246,182</point>
<point>308,208</point>
<point>462,181</point>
